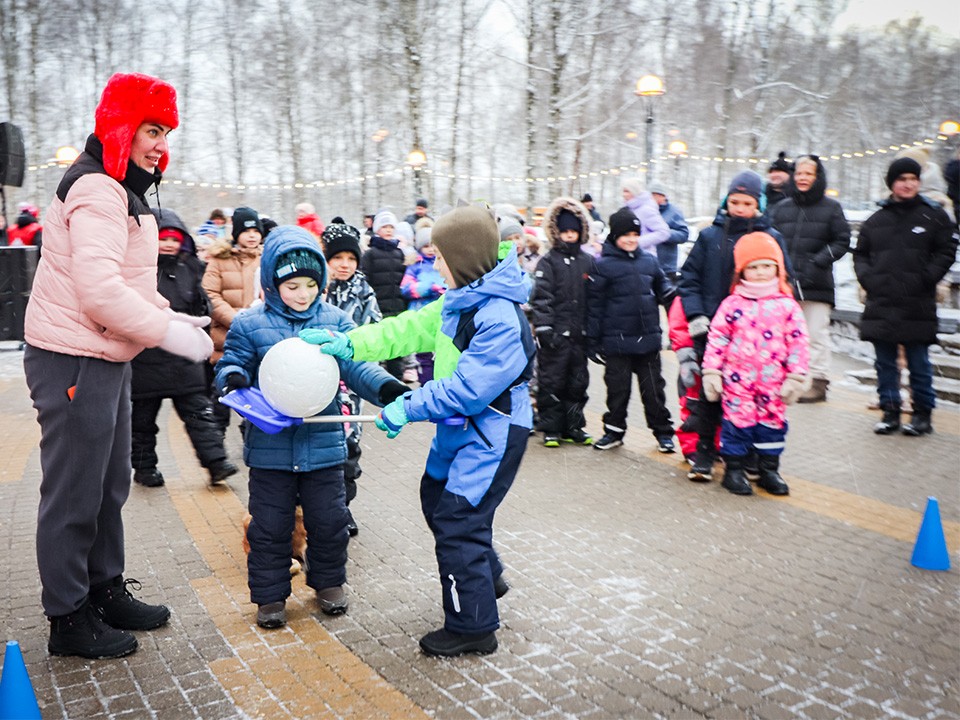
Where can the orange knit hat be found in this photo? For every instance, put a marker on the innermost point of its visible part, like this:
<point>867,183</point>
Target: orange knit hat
<point>759,246</point>
<point>128,101</point>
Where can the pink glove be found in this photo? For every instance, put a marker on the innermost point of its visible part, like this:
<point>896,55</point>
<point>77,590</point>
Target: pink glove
<point>187,340</point>
<point>712,386</point>
<point>793,387</point>
<point>195,320</point>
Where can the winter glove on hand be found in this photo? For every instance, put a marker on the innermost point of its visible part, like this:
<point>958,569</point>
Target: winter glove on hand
<point>195,320</point>
<point>187,340</point>
<point>689,367</point>
<point>594,355</point>
<point>546,339</point>
<point>331,342</point>
<point>712,386</point>
<point>793,387</point>
<point>390,391</point>
<point>423,288</point>
<point>234,381</point>
<point>700,325</point>
<point>392,418</point>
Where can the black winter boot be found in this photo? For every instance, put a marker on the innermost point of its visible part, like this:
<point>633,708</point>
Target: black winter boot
<point>751,465</point>
<point>221,470</point>
<point>148,478</point>
<point>770,479</point>
<point>919,423</point>
<point>734,478</point>
<point>701,470</point>
<point>119,609</point>
<point>443,643</point>
<point>83,633</point>
<point>890,422</point>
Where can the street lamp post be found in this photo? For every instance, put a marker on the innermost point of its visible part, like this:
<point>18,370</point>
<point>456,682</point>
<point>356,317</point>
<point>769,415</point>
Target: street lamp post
<point>678,149</point>
<point>950,132</point>
<point>416,159</point>
<point>649,87</point>
<point>378,137</point>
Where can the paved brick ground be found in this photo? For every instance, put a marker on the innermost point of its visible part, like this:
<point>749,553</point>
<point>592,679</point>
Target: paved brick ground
<point>635,592</point>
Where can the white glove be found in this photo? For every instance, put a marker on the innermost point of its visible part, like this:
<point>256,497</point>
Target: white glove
<point>793,387</point>
<point>700,325</point>
<point>187,340</point>
<point>195,320</point>
<point>712,386</point>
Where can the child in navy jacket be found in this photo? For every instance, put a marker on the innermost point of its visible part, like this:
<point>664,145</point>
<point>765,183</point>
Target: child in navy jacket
<point>303,462</point>
<point>623,330</point>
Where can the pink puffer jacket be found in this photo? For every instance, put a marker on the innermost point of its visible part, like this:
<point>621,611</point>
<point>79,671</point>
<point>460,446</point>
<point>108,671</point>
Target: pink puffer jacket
<point>755,343</point>
<point>95,290</point>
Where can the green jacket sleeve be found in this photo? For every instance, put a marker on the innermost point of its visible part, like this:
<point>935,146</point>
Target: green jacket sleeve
<point>409,332</point>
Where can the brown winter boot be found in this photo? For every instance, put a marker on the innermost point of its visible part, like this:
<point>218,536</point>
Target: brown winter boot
<point>817,392</point>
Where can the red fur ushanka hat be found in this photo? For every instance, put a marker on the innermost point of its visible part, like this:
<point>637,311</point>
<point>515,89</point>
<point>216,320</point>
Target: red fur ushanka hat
<point>128,101</point>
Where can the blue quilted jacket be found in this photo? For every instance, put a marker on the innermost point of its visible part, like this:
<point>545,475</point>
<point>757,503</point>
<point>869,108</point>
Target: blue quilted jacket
<point>254,331</point>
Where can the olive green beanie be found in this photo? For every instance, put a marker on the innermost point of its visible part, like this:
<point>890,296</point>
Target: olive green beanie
<point>467,238</point>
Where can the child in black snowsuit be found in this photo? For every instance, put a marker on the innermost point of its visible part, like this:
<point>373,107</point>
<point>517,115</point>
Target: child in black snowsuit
<point>558,313</point>
<point>158,374</point>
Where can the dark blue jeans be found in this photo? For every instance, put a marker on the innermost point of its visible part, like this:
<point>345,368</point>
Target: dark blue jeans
<point>888,374</point>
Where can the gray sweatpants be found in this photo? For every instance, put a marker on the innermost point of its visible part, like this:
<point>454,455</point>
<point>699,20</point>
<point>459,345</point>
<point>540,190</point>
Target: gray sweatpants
<point>85,461</point>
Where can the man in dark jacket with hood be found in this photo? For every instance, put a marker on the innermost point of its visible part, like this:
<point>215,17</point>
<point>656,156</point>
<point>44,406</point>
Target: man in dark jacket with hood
<point>817,235</point>
<point>903,250</point>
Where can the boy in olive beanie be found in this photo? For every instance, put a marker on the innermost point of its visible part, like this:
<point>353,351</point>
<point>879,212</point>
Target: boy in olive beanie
<point>483,362</point>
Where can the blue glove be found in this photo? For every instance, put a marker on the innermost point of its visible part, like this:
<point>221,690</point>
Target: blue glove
<point>392,418</point>
<point>423,288</point>
<point>331,342</point>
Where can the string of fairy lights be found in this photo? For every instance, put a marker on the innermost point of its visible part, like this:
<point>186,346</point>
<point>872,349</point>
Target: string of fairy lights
<point>638,167</point>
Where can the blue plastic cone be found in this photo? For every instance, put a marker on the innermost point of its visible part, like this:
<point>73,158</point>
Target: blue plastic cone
<point>930,551</point>
<point>18,701</point>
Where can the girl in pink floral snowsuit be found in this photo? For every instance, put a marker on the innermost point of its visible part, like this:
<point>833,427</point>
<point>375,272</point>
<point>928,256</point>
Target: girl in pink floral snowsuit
<point>756,362</point>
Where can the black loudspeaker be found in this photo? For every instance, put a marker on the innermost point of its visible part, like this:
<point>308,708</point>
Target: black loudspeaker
<point>17,267</point>
<point>13,158</point>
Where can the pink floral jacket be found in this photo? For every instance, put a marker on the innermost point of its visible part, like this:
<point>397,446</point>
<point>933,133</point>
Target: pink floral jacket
<point>755,343</point>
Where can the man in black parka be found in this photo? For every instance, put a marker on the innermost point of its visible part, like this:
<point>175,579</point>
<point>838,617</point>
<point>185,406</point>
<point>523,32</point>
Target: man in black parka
<point>903,251</point>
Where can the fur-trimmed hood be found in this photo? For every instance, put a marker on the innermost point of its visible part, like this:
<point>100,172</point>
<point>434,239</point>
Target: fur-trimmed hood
<point>550,229</point>
<point>225,247</point>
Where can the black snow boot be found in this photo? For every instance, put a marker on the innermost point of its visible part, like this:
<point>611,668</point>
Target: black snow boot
<point>751,465</point>
<point>83,633</point>
<point>919,423</point>
<point>770,479</point>
<point>734,479</point>
<point>890,422</point>
<point>119,609</point>
<point>443,643</point>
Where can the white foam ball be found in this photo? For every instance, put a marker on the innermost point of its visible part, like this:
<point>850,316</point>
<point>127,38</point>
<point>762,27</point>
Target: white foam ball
<point>297,378</point>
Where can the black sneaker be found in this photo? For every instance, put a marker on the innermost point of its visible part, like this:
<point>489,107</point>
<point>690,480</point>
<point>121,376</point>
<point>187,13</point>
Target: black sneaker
<point>500,587</point>
<point>608,442</point>
<point>332,600</point>
<point>702,468</point>
<point>551,441</point>
<point>665,445</point>
<point>85,634</point>
<point>443,643</point>
<point>148,478</point>
<point>272,615</point>
<point>221,470</point>
<point>577,437</point>
<point>119,609</point>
